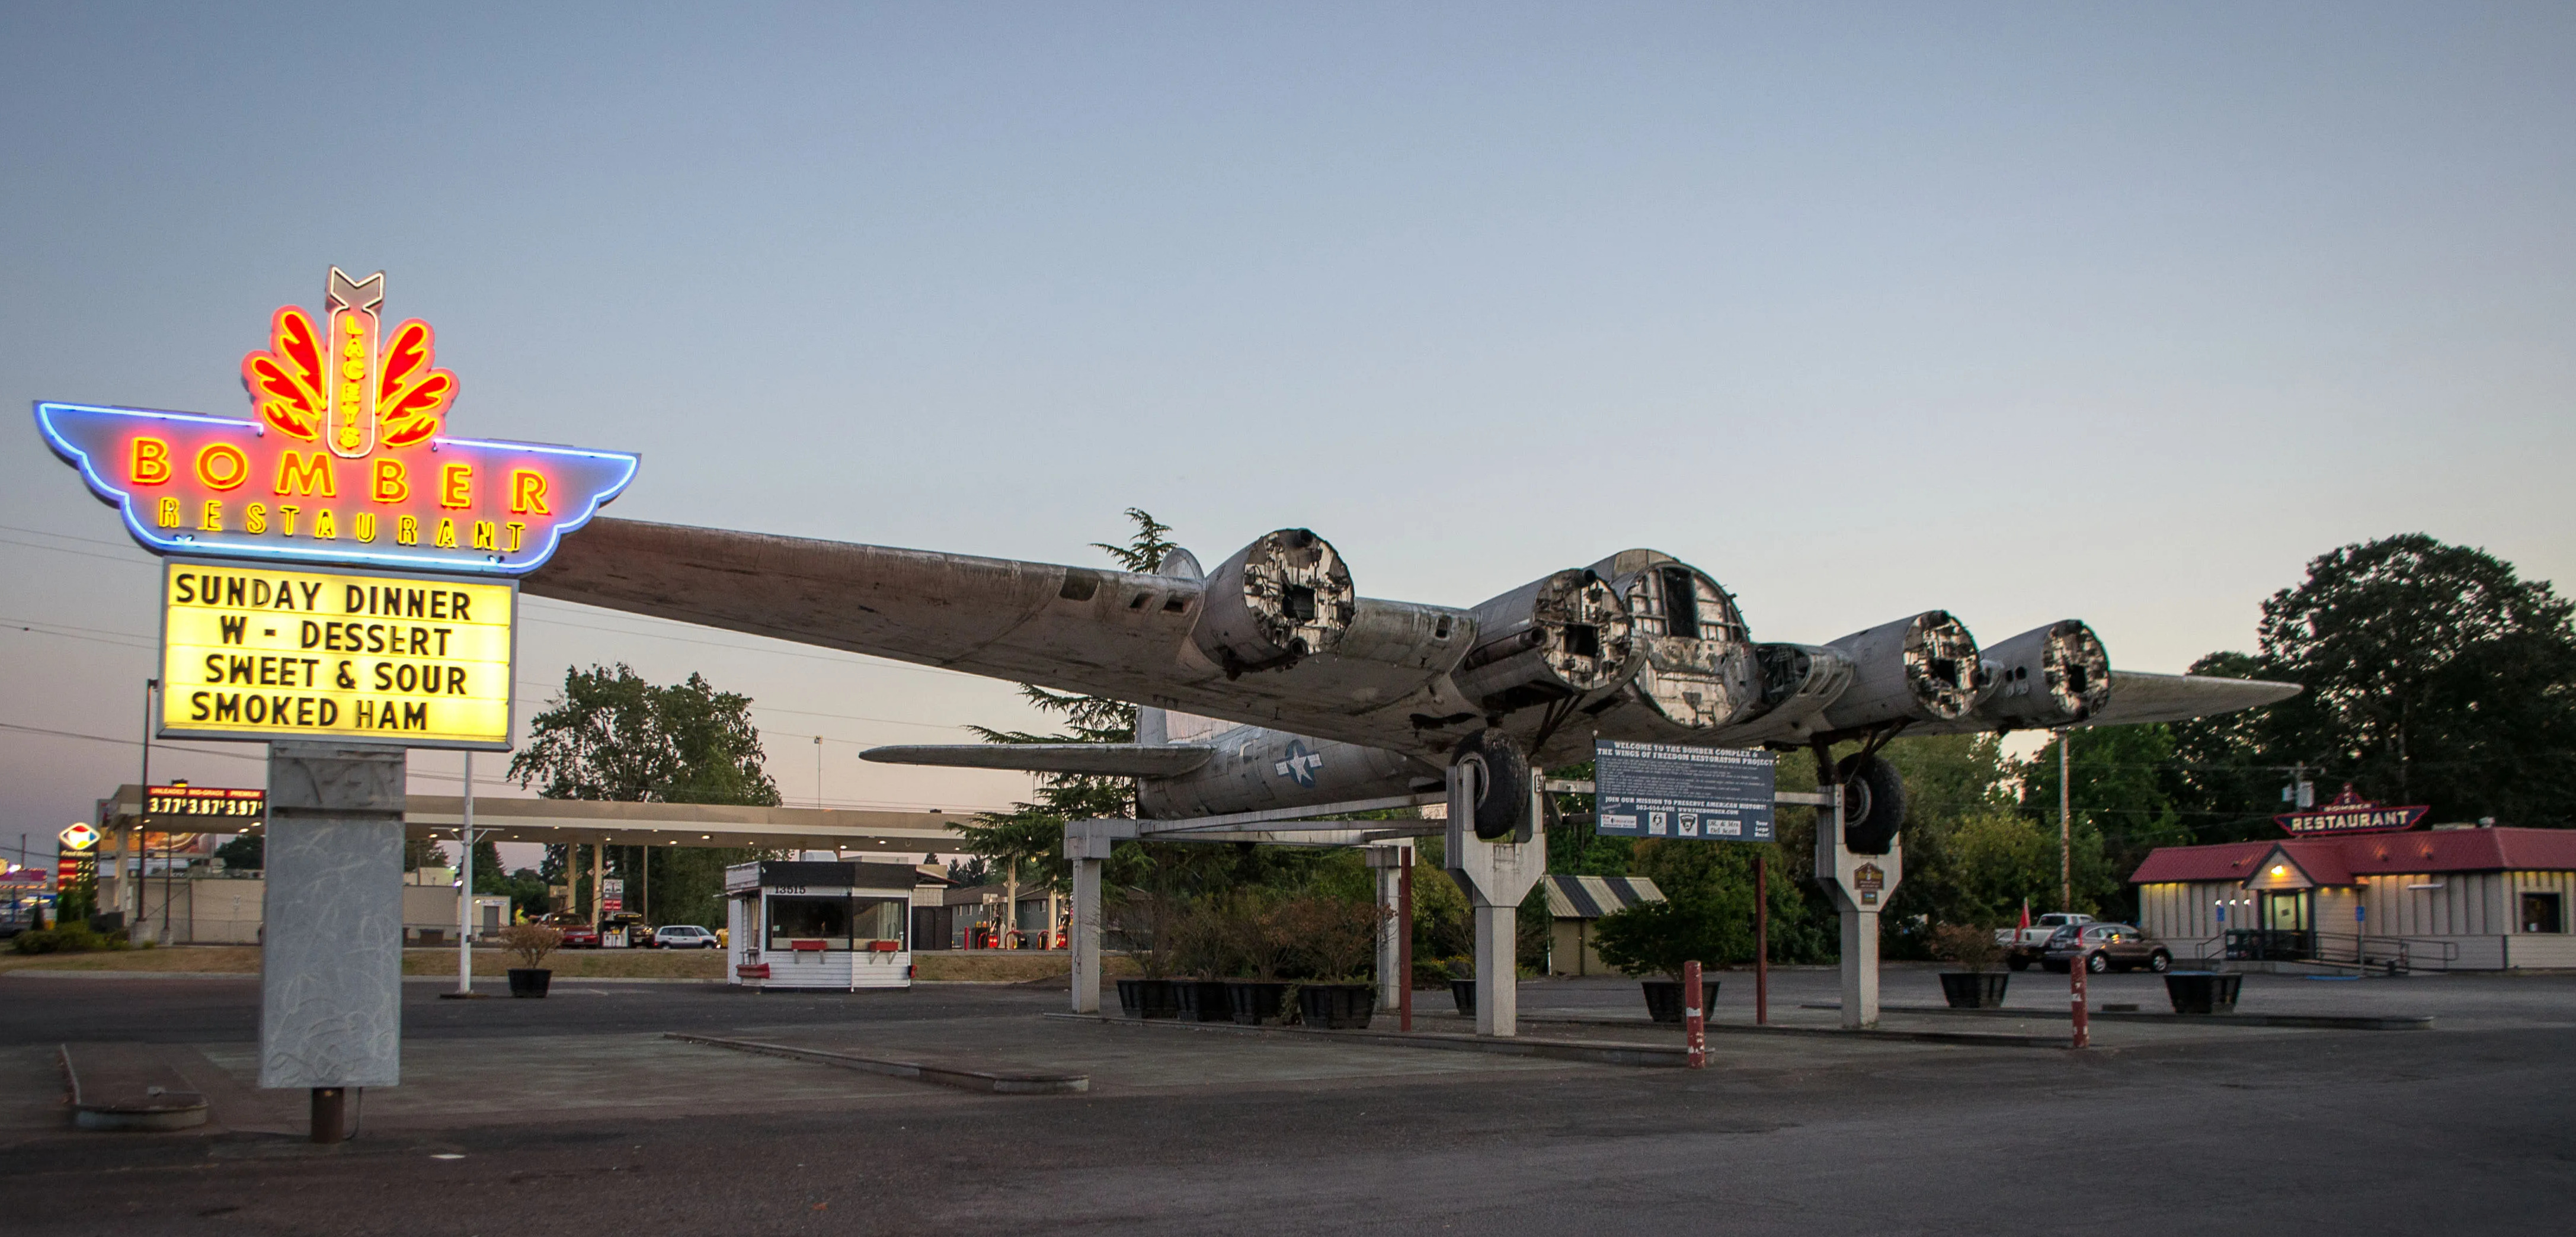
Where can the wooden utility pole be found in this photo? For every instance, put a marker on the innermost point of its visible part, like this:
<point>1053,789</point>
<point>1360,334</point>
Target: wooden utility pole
<point>2065,826</point>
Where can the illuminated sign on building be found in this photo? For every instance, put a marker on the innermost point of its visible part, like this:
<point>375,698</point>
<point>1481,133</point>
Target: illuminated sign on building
<point>2350,814</point>
<point>79,837</point>
<point>343,463</point>
<point>258,653</point>
<point>241,805</point>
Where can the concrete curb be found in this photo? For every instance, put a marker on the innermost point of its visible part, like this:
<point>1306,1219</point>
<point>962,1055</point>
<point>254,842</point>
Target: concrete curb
<point>2319,1022</point>
<point>1598,1052</point>
<point>987,1081</point>
<point>41,973</point>
<point>1992,1039</point>
<point>126,1087</point>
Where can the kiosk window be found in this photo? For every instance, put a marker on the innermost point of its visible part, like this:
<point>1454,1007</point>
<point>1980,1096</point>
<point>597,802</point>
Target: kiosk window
<point>878,919</point>
<point>806,919</point>
<point>2541,912</point>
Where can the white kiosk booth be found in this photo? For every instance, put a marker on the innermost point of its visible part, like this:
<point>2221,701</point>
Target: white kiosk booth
<point>819,925</point>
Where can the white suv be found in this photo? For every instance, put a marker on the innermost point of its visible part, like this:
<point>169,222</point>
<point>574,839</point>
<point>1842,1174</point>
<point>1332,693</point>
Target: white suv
<point>681,936</point>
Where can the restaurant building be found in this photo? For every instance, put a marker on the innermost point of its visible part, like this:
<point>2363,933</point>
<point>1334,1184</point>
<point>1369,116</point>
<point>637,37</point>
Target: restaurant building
<point>2453,897</point>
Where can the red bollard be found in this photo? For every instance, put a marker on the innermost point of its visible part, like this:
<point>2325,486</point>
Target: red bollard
<point>1694,1019</point>
<point>2083,1020</point>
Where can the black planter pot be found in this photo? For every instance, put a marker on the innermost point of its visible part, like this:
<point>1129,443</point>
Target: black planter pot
<point>1337,1007</point>
<point>1256,1001</point>
<point>1148,998</point>
<point>2203,992</point>
<point>1203,1000</point>
<point>530,980</point>
<point>1974,989</point>
<point>1463,991</point>
<point>1664,998</point>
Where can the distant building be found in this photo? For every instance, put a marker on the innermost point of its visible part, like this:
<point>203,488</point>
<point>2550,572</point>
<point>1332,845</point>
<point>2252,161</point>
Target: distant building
<point>1574,903</point>
<point>2454,897</point>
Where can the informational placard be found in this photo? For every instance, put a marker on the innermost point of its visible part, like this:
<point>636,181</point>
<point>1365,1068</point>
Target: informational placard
<point>255,653</point>
<point>1666,790</point>
<point>213,806</point>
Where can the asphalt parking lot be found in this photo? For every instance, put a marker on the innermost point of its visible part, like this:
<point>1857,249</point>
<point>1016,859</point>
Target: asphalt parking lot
<point>576,1115</point>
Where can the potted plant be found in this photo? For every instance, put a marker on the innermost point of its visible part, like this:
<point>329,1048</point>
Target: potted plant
<point>1256,939</point>
<point>2203,992</point>
<point>1977,984</point>
<point>1657,938</point>
<point>1146,921</point>
<point>1198,953</point>
<point>1462,985</point>
<point>532,942</point>
<point>1336,940</point>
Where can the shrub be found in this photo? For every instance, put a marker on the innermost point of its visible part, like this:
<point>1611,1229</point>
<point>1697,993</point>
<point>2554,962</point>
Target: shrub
<point>1335,938</point>
<point>1656,938</point>
<point>531,941</point>
<point>1974,949</point>
<point>70,938</point>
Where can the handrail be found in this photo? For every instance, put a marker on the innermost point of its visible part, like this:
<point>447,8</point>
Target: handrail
<point>2360,951</point>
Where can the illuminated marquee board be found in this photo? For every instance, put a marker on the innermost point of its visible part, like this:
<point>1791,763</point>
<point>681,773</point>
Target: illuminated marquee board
<point>259,653</point>
<point>343,463</point>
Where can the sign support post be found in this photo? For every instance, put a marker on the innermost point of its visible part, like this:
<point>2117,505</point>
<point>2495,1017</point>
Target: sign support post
<point>331,955</point>
<point>465,889</point>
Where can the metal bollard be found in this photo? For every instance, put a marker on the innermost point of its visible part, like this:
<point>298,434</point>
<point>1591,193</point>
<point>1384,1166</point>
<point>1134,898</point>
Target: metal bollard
<point>1694,1018</point>
<point>2083,1021</point>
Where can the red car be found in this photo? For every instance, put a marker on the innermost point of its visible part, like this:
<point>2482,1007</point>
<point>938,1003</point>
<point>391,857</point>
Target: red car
<point>577,933</point>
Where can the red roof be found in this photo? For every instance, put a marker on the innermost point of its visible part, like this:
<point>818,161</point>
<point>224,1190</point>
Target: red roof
<point>2336,861</point>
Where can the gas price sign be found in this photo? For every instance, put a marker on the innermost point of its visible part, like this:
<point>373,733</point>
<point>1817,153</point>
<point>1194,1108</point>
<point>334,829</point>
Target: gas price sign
<point>254,653</point>
<point>1666,790</point>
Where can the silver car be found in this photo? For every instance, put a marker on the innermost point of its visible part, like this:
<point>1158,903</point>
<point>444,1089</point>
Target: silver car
<point>681,936</point>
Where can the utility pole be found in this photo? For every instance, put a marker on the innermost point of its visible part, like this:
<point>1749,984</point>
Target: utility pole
<point>818,775</point>
<point>2065,826</point>
<point>128,840</point>
<point>465,889</point>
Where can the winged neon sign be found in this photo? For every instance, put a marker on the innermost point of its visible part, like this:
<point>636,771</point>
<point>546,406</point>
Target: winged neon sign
<point>344,461</point>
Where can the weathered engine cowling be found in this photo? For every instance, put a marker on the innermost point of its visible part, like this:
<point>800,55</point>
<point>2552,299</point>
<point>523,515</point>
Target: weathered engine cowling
<point>1284,597</point>
<point>2049,676</point>
<point>1919,668</point>
<point>1562,635</point>
<point>1698,670</point>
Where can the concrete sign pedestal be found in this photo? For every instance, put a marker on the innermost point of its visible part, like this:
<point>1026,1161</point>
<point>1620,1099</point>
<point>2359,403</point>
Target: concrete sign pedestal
<point>1861,885</point>
<point>330,1012</point>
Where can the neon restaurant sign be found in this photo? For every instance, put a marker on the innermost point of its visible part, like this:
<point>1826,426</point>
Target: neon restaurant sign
<point>343,461</point>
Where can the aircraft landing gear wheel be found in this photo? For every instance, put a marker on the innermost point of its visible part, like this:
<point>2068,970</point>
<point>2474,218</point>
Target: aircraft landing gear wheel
<point>2097,964</point>
<point>1873,803</point>
<point>2160,963</point>
<point>1502,779</point>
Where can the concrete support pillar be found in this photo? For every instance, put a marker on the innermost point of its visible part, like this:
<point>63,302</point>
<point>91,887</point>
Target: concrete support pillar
<point>1086,936</point>
<point>1086,846</point>
<point>1389,862</point>
<point>1860,969</point>
<point>331,953</point>
<point>1496,876</point>
<point>1498,972</point>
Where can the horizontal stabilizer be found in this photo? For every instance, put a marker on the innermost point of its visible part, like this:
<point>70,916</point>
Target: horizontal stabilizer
<point>2137,697</point>
<point>1097,759</point>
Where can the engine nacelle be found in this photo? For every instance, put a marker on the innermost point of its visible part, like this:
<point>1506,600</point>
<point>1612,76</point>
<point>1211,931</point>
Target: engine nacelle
<point>1562,635</point>
<point>1284,597</point>
<point>1699,669</point>
<point>2049,676</point>
<point>1919,668</point>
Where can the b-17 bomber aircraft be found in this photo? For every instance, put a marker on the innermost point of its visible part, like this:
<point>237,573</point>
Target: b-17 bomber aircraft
<point>1271,683</point>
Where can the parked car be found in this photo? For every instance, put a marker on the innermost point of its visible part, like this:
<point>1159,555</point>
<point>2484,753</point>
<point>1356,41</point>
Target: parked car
<point>680,936</point>
<point>2105,947</point>
<point>578,933</point>
<point>2023,946</point>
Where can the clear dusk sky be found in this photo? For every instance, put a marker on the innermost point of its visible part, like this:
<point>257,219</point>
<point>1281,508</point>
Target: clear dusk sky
<point>2118,312</point>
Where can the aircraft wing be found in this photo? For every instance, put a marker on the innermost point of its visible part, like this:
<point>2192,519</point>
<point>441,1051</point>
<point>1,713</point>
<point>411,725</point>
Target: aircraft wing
<point>2138,696</point>
<point>1077,629</point>
<point>1097,759</point>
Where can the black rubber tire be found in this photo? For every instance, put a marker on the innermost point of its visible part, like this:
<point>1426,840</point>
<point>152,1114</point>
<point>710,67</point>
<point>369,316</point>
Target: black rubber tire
<point>2160,962</point>
<point>1873,803</point>
<point>1503,785</point>
<point>2098,964</point>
